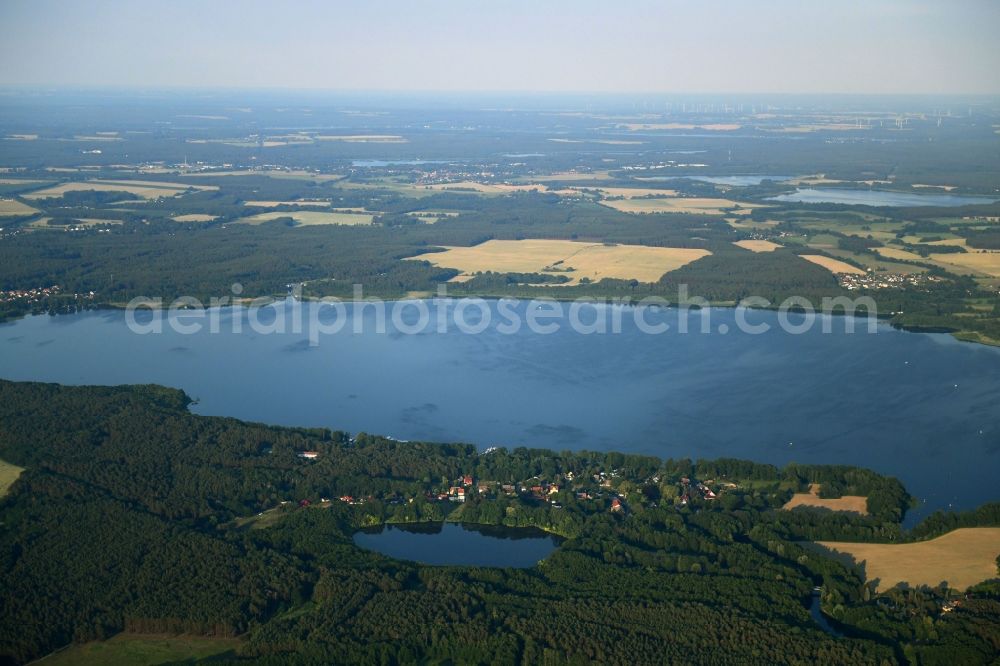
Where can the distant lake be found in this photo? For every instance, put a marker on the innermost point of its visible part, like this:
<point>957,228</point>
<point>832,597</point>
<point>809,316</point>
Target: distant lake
<point>922,407</point>
<point>460,544</point>
<point>878,197</point>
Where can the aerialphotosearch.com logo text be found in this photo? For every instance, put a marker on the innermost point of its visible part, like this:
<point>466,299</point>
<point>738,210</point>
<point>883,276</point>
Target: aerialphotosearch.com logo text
<point>653,315</point>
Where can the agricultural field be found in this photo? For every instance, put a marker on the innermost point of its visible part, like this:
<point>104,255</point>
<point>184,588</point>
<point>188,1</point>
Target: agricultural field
<point>12,208</point>
<point>142,650</point>
<point>757,245</point>
<point>975,262</point>
<point>574,259</point>
<point>896,253</point>
<point>486,188</point>
<point>194,217</point>
<point>139,188</point>
<point>8,475</point>
<point>962,557</point>
<point>691,205</point>
<point>832,265</point>
<point>629,192</point>
<point>852,503</point>
<point>308,218</point>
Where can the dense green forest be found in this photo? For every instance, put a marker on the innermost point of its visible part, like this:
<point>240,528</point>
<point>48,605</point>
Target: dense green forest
<point>135,515</point>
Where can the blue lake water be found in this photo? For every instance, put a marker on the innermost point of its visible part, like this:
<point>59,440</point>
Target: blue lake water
<point>879,198</point>
<point>922,407</point>
<point>460,544</point>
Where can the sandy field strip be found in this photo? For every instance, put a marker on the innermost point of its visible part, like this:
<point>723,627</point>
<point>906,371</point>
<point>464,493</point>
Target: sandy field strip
<point>12,207</point>
<point>832,265</point>
<point>194,217</point>
<point>758,245</point>
<point>8,475</point>
<point>896,253</point>
<point>962,557</point>
<point>691,205</point>
<point>591,260</point>
<point>854,503</point>
<point>140,188</point>
<point>308,218</point>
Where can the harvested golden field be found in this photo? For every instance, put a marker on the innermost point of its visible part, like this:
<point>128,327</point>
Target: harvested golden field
<point>275,204</point>
<point>962,557</point>
<point>308,218</point>
<point>854,503</point>
<point>8,475</point>
<point>695,205</point>
<point>11,207</point>
<point>832,265</point>
<point>758,245</point>
<point>194,217</point>
<point>981,262</point>
<point>574,259</point>
<point>959,242</point>
<point>896,253</point>
<point>630,192</point>
<point>146,189</point>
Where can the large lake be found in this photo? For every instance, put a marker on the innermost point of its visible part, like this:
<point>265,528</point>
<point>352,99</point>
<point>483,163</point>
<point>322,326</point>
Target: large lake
<point>922,407</point>
<point>460,544</point>
<point>879,198</point>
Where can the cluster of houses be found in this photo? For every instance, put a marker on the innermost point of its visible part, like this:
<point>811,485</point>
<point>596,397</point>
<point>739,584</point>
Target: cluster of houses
<point>601,486</point>
<point>873,280</point>
<point>30,295</point>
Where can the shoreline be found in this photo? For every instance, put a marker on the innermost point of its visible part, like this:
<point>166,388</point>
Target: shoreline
<point>960,335</point>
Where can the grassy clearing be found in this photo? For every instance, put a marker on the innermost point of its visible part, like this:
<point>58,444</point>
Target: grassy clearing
<point>853,503</point>
<point>307,218</point>
<point>11,208</point>
<point>692,205</point>
<point>757,245</point>
<point>573,259</point>
<point>142,650</point>
<point>962,557</point>
<point>832,265</point>
<point>8,475</point>
<point>146,189</point>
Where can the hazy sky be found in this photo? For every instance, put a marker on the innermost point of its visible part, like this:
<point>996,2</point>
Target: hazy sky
<point>864,46</point>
